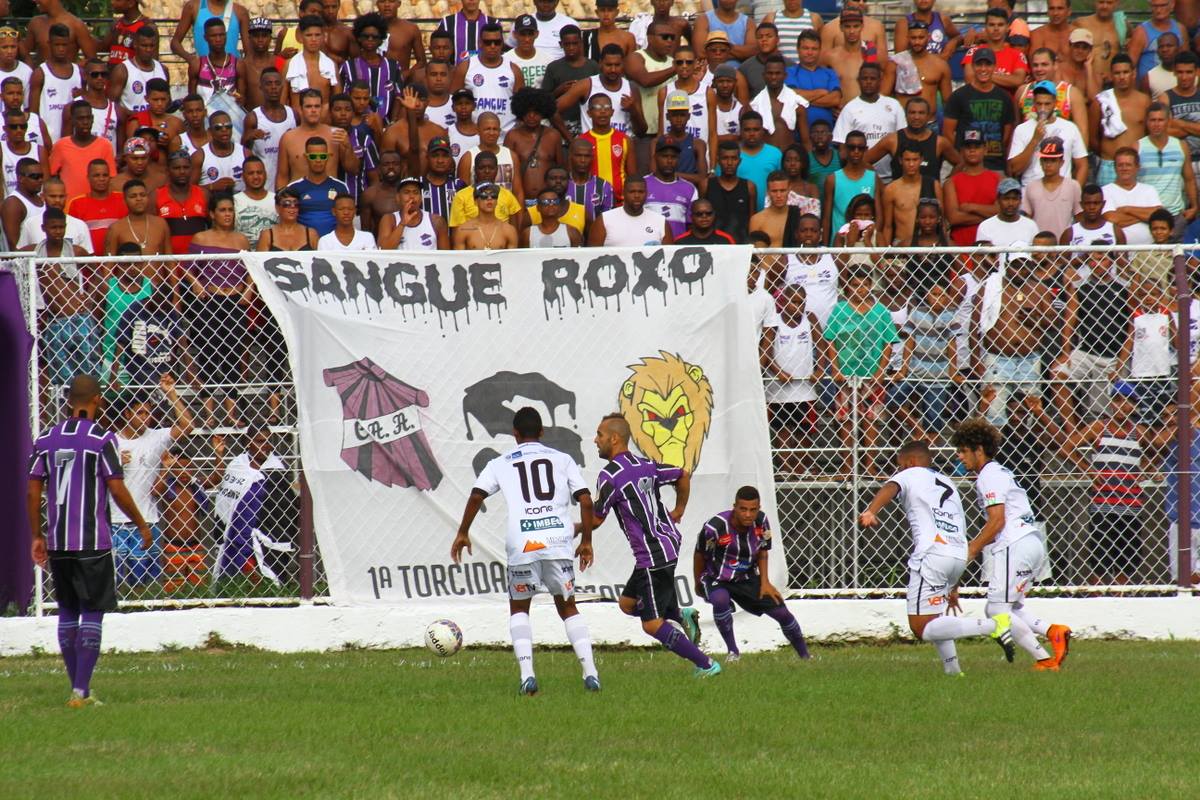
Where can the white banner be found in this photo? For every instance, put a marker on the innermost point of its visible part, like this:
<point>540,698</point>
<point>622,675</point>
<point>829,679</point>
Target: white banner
<point>409,368</point>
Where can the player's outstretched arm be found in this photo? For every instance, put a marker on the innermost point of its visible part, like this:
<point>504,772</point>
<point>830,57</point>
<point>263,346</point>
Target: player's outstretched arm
<point>587,522</point>
<point>886,494</point>
<point>991,529</point>
<point>683,490</point>
<point>463,539</point>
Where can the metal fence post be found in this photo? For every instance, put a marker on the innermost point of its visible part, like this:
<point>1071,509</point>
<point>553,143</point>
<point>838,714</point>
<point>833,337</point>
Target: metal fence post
<point>1183,432</point>
<point>307,541</point>
<point>854,478</point>
<point>35,397</point>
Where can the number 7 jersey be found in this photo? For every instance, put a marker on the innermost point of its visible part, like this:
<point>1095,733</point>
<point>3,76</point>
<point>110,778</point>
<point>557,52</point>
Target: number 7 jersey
<point>935,514</point>
<point>538,484</point>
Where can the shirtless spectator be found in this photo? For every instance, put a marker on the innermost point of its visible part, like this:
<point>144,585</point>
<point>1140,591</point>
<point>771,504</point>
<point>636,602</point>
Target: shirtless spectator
<point>1107,40</point>
<point>901,197</point>
<point>140,225</point>
<point>537,146</point>
<point>138,166</point>
<point>404,42</point>
<point>412,132</point>
<point>293,161</point>
<point>774,219</point>
<point>37,35</point>
<point>1119,117</point>
<point>918,72</point>
<point>847,57</point>
<point>1011,314</point>
<point>311,69</point>
<point>380,199</point>
<point>484,231</point>
<point>1057,30</point>
<point>872,35</point>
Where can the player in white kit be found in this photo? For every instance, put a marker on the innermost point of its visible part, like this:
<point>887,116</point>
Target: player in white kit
<point>538,484</point>
<point>1012,544</point>
<point>939,529</point>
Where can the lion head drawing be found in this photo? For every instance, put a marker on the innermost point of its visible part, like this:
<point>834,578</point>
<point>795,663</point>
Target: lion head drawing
<point>668,405</point>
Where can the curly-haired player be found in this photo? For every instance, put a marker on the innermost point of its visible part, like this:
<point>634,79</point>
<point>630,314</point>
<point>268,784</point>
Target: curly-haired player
<point>1013,546</point>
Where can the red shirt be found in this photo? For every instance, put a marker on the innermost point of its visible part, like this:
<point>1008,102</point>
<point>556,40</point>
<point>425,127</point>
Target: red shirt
<point>99,215</point>
<point>122,47</point>
<point>1008,60</point>
<point>184,219</point>
<point>70,162</point>
<point>609,162</point>
<point>980,189</point>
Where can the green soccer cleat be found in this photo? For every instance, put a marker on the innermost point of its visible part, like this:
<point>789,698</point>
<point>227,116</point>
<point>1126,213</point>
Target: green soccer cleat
<point>691,624</point>
<point>1003,635</point>
<point>701,672</point>
<point>529,687</point>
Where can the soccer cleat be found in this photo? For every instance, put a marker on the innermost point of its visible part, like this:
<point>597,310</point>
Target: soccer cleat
<point>79,701</point>
<point>701,672</point>
<point>1060,640</point>
<point>691,624</point>
<point>591,683</point>
<point>528,687</point>
<point>733,657</point>
<point>1046,665</point>
<point>960,674</point>
<point>1003,635</point>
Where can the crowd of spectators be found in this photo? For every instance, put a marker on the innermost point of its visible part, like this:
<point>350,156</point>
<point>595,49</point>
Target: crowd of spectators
<point>780,128</point>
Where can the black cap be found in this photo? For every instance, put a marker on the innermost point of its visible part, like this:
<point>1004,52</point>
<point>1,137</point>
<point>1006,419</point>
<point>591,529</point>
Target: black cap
<point>525,22</point>
<point>461,93</point>
<point>668,144</point>
<point>982,54</point>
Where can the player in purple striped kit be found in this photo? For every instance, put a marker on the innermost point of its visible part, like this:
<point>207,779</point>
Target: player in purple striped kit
<point>731,567</point>
<point>628,487</point>
<point>78,465</point>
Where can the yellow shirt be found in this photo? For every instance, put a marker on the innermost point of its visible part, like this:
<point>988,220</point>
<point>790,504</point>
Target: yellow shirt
<point>576,217</point>
<point>463,208</point>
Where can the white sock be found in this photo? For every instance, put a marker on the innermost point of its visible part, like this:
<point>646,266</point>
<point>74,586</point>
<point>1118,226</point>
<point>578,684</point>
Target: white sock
<point>1022,634</point>
<point>945,629</point>
<point>581,641</point>
<point>1036,624</point>
<point>522,638</point>
<point>949,655</point>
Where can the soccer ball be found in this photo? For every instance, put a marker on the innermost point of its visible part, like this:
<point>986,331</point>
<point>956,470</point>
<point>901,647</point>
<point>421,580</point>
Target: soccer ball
<point>443,637</point>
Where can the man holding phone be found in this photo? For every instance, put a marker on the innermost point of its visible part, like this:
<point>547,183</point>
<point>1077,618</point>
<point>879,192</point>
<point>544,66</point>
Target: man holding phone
<point>1028,136</point>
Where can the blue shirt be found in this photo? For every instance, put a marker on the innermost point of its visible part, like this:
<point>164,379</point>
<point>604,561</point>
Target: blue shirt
<point>316,202</point>
<point>756,168</point>
<point>809,79</point>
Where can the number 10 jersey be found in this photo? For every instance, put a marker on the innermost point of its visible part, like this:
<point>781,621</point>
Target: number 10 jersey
<point>538,484</point>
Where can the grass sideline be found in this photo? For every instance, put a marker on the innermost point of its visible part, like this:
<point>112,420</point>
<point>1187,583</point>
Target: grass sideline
<point>859,721</point>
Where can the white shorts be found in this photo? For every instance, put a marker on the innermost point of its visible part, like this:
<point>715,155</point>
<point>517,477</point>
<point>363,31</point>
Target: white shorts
<point>929,583</point>
<point>1010,572</point>
<point>553,575</point>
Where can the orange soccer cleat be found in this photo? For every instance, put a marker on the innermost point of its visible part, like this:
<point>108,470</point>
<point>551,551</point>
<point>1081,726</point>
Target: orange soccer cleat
<point>1060,640</point>
<point>1046,665</point>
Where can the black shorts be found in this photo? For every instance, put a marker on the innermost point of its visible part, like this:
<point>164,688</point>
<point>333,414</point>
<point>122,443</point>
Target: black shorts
<point>742,593</point>
<point>655,589</point>
<point>84,580</point>
<point>798,417</point>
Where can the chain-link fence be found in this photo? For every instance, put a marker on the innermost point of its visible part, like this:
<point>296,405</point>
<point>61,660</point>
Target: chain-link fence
<point>1074,354</point>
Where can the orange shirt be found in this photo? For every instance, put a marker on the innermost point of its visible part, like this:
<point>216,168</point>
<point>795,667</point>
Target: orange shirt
<point>70,162</point>
<point>609,161</point>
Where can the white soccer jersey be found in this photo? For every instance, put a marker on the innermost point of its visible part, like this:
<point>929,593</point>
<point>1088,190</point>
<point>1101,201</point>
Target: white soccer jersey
<point>935,514</point>
<point>538,483</point>
<point>995,485</point>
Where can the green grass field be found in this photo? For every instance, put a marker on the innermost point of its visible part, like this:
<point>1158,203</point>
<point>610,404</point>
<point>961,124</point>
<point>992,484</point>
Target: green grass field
<point>858,722</point>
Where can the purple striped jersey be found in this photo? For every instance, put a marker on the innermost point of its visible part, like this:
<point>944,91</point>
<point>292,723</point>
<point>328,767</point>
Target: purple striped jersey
<point>595,195</point>
<point>362,142</point>
<point>383,79</point>
<point>437,197</point>
<point>75,459</point>
<point>629,486</point>
<point>464,34</point>
<point>731,554</point>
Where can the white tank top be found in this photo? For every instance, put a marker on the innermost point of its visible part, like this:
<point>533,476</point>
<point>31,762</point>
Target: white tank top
<point>698,124</point>
<point>10,165</point>
<point>622,230</point>
<point>421,236</point>
<point>727,121</point>
<point>185,143</point>
<point>620,117</point>
<point>133,96</point>
<point>24,72</point>
<point>104,123</point>
<point>461,143</point>
<point>560,237</point>
<point>1151,356</point>
<point>493,88</point>
<point>962,341</point>
<point>32,134</point>
<point>504,160</point>
<point>1082,235</point>
<point>442,115</point>
<point>32,211</point>
<point>216,167</point>
<point>794,354</point>
<point>268,149</point>
<point>57,94</point>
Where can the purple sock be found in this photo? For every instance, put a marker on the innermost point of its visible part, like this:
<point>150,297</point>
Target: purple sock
<point>723,616</point>
<point>68,635</point>
<point>674,640</point>
<point>88,650</point>
<point>791,629</point>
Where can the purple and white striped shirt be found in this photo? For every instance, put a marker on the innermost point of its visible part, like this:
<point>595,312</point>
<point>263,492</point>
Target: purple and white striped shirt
<point>595,195</point>
<point>75,460</point>
<point>731,554</point>
<point>464,33</point>
<point>629,485</point>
